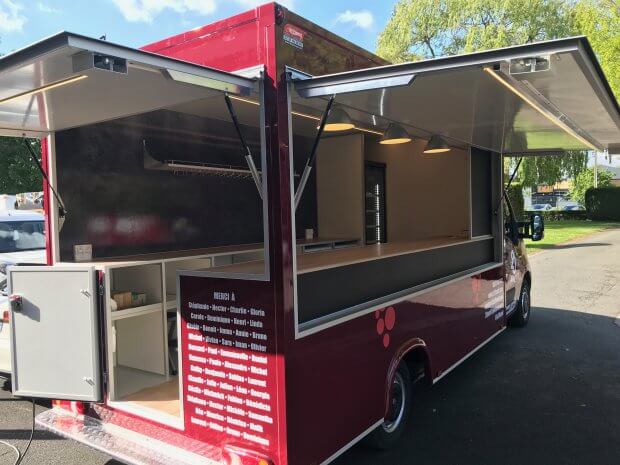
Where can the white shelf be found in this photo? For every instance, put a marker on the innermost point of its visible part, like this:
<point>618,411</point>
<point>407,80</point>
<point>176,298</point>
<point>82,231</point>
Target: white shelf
<point>136,311</point>
<point>171,304</point>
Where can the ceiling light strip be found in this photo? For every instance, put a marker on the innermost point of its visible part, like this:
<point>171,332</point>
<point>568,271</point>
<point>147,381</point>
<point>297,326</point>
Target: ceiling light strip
<point>44,88</point>
<point>536,107</point>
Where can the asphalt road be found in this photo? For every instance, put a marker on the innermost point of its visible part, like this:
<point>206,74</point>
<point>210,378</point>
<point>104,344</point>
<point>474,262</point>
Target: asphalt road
<point>548,394</point>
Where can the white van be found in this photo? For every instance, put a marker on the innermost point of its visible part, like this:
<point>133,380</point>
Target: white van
<point>22,241</point>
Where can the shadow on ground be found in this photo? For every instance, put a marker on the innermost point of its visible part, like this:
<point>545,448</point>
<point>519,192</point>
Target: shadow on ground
<point>548,394</point>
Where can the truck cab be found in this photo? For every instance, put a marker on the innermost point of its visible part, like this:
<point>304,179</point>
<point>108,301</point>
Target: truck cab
<point>518,275</point>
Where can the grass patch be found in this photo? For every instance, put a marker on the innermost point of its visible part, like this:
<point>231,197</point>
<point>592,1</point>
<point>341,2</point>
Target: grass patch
<point>559,232</point>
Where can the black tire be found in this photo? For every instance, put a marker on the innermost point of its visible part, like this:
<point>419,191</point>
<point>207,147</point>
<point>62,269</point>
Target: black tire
<point>390,431</point>
<point>521,316</point>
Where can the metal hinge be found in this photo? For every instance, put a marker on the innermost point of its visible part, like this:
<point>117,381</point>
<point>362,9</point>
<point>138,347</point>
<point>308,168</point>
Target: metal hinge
<point>101,289</point>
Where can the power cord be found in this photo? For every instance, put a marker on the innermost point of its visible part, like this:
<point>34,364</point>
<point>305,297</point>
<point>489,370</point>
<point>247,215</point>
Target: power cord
<point>19,456</point>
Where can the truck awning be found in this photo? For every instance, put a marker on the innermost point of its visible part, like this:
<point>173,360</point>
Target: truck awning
<point>539,98</point>
<point>69,80</point>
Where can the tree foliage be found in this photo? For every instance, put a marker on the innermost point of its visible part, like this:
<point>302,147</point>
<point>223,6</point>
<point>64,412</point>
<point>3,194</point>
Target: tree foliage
<point>431,28</point>
<point>585,180</point>
<point>17,171</point>
<point>599,20</point>
<point>548,170</point>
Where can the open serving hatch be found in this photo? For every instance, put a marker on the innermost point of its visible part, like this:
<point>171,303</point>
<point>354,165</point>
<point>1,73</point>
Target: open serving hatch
<point>545,97</point>
<point>69,80</point>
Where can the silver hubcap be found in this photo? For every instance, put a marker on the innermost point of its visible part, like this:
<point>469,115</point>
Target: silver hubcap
<point>397,405</point>
<point>525,304</point>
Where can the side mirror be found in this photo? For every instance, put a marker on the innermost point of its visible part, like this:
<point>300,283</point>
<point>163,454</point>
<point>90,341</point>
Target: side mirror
<point>537,227</point>
<point>533,229</point>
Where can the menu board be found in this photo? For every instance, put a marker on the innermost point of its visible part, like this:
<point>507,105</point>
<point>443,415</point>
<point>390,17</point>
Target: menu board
<point>229,382</point>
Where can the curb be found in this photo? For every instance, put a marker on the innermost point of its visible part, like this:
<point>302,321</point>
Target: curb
<point>617,320</point>
<point>570,241</point>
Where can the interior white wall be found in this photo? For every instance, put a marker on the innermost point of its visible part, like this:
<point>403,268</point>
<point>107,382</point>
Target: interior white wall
<point>427,195</point>
<point>340,187</point>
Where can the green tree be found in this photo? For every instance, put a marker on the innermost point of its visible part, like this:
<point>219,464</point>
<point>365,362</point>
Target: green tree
<point>17,171</point>
<point>599,20</point>
<point>430,28</point>
<point>585,180</point>
<point>547,170</point>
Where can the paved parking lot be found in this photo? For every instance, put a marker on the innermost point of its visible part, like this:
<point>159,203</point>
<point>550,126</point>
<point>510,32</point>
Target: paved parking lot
<point>548,394</point>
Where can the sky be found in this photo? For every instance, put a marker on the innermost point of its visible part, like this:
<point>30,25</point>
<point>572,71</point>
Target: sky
<point>139,22</point>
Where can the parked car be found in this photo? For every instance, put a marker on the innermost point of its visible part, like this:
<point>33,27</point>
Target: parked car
<point>22,241</point>
<point>541,207</point>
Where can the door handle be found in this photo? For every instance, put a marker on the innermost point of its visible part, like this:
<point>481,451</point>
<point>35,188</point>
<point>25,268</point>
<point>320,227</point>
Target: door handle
<point>17,302</point>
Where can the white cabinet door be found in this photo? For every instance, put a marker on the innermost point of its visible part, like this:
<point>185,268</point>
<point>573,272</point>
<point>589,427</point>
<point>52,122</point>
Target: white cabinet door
<point>55,334</point>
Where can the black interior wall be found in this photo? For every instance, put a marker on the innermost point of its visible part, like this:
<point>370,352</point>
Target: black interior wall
<point>482,179</point>
<point>121,208</point>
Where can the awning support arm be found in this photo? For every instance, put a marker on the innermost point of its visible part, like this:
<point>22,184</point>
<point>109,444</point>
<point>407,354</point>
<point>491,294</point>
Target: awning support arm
<point>308,168</point>
<point>62,211</point>
<point>248,153</point>
<point>505,189</point>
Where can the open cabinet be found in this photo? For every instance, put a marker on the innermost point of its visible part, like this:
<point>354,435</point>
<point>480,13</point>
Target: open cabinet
<point>137,354</point>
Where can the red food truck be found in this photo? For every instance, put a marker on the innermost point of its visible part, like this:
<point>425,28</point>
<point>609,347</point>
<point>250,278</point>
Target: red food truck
<point>260,235</point>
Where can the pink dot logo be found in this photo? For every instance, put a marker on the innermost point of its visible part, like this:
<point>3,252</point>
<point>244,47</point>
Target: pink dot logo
<point>386,320</point>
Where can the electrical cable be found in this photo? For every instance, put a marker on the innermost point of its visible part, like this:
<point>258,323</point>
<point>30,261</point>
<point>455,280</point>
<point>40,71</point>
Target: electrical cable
<point>19,456</point>
<point>32,427</point>
<point>15,449</point>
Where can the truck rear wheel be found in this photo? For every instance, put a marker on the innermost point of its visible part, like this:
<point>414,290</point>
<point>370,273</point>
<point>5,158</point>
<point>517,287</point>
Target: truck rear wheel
<point>522,315</point>
<point>395,422</point>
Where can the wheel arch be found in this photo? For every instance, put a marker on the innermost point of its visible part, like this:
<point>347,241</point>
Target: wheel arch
<point>414,353</point>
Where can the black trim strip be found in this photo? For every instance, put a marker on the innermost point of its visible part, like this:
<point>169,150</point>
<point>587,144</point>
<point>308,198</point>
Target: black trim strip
<point>361,309</point>
<point>330,291</point>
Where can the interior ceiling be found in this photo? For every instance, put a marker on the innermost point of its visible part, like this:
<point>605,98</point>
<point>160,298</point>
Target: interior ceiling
<point>471,107</point>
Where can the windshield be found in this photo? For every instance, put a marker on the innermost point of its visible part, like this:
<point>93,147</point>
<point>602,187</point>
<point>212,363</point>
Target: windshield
<point>16,236</point>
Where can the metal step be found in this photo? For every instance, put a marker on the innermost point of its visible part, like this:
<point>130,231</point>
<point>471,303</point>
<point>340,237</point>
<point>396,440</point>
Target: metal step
<point>125,444</point>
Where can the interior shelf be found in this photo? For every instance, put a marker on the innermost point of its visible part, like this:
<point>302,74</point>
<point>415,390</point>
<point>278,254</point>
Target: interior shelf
<point>136,311</point>
<point>171,303</point>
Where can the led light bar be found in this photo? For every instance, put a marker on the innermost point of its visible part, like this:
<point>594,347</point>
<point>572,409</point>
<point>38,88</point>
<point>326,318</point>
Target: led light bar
<point>47,87</point>
<point>552,118</point>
